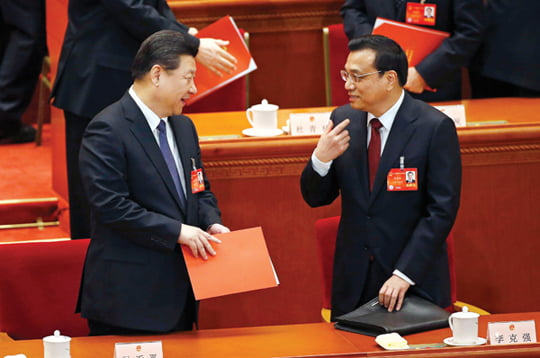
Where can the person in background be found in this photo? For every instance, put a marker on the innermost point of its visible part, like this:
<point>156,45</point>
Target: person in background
<point>135,161</point>
<point>508,62</point>
<point>389,241</point>
<point>438,76</point>
<point>22,48</point>
<point>101,40</point>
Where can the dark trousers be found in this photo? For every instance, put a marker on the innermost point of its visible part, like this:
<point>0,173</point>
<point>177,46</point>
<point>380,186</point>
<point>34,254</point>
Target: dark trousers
<point>185,323</point>
<point>79,208</point>
<point>22,48</point>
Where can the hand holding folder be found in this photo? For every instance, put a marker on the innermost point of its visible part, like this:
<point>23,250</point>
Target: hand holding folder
<point>242,263</point>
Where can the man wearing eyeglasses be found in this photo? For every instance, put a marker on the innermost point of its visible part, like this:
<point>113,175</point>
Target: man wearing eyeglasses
<point>392,234</point>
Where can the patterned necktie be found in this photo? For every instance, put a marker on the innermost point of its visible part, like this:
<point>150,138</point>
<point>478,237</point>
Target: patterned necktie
<point>374,150</point>
<point>169,159</point>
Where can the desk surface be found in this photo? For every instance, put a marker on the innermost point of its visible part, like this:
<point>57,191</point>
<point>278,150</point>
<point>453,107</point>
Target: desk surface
<point>281,341</point>
<point>490,111</point>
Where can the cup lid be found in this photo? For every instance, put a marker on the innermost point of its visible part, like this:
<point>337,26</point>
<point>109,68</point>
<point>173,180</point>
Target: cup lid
<point>465,313</point>
<point>57,338</point>
<point>264,106</point>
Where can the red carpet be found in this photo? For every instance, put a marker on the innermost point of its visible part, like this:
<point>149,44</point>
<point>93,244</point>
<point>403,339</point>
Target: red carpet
<point>26,193</point>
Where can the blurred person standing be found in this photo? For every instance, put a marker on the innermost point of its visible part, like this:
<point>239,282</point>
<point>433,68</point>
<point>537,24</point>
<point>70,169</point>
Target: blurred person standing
<point>508,62</point>
<point>100,43</point>
<point>438,76</point>
<point>22,48</point>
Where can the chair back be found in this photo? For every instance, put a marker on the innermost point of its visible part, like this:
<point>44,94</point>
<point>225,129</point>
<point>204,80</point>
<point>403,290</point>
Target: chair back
<point>325,233</point>
<point>39,286</point>
<point>335,50</point>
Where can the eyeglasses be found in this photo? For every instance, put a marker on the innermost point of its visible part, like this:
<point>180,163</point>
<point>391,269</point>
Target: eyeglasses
<point>345,76</point>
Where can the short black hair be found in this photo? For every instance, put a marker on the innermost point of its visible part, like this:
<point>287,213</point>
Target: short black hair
<point>388,54</point>
<point>162,48</point>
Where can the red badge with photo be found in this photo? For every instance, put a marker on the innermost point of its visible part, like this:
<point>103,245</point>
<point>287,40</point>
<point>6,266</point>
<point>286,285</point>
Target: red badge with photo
<point>197,181</point>
<point>421,14</point>
<point>402,179</point>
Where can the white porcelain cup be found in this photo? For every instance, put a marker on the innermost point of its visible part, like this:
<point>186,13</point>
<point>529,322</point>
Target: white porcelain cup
<point>56,346</point>
<point>464,326</point>
<point>263,116</point>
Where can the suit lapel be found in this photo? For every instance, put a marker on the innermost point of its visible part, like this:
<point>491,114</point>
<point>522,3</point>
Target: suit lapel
<point>144,135</point>
<point>400,134</point>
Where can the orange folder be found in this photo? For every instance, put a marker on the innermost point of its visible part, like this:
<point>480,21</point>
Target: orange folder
<point>416,41</point>
<point>242,263</point>
<point>207,81</point>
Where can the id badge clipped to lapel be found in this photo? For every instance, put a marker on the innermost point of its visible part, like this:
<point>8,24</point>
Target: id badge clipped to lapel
<point>402,179</point>
<point>197,178</point>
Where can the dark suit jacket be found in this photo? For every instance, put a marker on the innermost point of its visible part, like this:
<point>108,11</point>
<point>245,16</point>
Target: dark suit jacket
<point>135,275</point>
<point>511,50</point>
<point>102,38</point>
<point>463,19</point>
<point>402,230</point>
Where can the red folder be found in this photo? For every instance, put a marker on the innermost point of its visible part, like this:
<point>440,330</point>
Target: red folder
<point>416,41</point>
<point>242,263</point>
<point>207,81</point>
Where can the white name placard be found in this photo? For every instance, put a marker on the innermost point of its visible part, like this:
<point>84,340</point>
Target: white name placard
<point>456,112</point>
<point>138,350</point>
<point>517,332</point>
<point>308,123</point>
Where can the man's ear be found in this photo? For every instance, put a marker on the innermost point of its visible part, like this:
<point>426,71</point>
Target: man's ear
<point>155,73</point>
<point>391,79</point>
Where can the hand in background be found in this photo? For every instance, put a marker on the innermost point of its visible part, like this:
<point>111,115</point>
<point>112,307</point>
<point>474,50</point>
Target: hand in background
<point>213,56</point>
<point>415,82</point>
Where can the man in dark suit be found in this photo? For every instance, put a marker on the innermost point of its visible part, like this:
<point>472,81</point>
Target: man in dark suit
<point>135,160</point>
<point>389,241</point>
<point>101,40</point>
<point>441,70</point>
<point>22,48</point>
<point>508,62</point>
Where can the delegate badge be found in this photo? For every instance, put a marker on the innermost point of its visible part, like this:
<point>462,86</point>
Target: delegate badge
<point>405,179</point>
<point>197,178</point>
<point>421,14</point>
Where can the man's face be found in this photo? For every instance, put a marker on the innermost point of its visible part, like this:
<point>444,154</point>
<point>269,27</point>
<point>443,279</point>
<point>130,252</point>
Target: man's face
<point>176,86</point>
<point>369,91</point>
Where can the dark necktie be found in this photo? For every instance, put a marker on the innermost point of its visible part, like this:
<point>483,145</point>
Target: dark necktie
<point>169,159</point>
<point>374,150</point>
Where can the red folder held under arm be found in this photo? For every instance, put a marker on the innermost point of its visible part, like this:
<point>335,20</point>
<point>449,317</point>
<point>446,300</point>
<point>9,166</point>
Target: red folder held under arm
<point>242,264</point>
<point>207,81</point>
<point>416,41</point>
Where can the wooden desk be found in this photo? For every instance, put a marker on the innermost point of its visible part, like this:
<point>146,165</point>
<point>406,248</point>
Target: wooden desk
<point>256,181</point>
<point>301,340</point>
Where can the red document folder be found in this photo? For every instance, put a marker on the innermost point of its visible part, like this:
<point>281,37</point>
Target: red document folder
<point>416,41</point>
<point>207,81</point>
<point>242,264</point>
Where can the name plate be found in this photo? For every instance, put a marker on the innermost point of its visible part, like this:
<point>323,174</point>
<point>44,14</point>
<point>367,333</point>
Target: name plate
<point>517,332</point>
<point>308,123</point>
<point>138,350</point>
<point>456,112</point>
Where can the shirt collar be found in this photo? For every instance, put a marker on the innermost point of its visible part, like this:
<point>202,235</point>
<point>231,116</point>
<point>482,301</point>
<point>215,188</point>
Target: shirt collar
<point>387,119</point>
<point>152,118</point>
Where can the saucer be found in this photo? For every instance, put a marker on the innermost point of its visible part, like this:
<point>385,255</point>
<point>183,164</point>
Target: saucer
<point>477,342</point>
<point>253,132</point>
